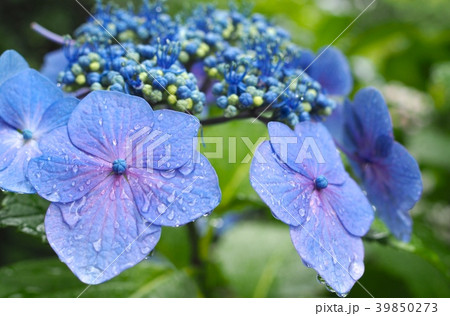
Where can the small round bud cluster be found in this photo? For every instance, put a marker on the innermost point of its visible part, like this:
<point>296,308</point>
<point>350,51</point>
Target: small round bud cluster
<point>246,63</point>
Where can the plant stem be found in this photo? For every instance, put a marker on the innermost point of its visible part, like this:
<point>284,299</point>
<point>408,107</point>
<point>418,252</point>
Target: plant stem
<point>243,115</point>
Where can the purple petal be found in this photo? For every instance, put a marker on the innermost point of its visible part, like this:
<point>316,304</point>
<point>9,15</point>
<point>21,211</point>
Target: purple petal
<point>102,234</point>
<point>176,139</point>
<point>367,121</point>
<point>176,197</point>
<point>394,185</point>
<point>351,206</point>
<point>309,150</point>
<point>10,142</point>
<point>198,70</point>
<point>285,191</point>
<point>332,71</point>
<point>14,177</point>
<point>64,173</point>
<point>25,97</point>
<point>11,63</point>
<point>104,122</point>
<point>57,115</point>
<point>54,63</point>
<point>306,58</point>
<point>327,247</point>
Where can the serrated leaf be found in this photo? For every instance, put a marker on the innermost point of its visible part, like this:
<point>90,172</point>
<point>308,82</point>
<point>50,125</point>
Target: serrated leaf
<point>51,278</point>
<point>25,212</point>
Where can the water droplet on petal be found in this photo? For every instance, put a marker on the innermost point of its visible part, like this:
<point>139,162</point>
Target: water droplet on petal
<point>162,208</point>
<point>171,215</point>
<point>75,169</point>
<point>97,245</point>
<point>356,269</point>
<point>302,212</point>
<point>81,188</point>
<point>168,174</point>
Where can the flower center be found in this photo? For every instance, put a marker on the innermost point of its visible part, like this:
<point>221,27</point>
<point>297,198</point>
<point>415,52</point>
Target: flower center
<point>27,134</point>
<point>321,182</point>
<point>119,166</point>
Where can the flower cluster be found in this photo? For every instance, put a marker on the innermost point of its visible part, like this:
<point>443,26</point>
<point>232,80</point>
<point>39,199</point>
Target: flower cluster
<point>241,62</point>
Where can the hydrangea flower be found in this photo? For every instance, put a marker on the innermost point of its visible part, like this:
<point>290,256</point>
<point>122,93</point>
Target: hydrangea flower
<point>30,108</point>
<point>300,176</point>
<point>389,174</point>
<point>116,174</point>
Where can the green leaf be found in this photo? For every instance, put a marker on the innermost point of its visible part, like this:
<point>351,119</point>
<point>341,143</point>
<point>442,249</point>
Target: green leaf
<point>259,260</point>
<point>233,165</point>
<point>25,212</point>
<point>51,278</point>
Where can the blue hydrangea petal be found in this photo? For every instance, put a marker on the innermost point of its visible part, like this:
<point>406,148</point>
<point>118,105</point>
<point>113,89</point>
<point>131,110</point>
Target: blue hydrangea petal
<point>177,133</point>
<point>314,152</point>
<point>25,97</point>
<point>14,177</point>
<point>104,122</point>
<point>101,234</point>
<point>367,120</point>
<point>332,71</point>
<point>327,247</point>
<point>56,115</point>
<point>11,63</point>
<point>285,191</point>
<point>176,197</point>
<point>54,63</point>
<point>10,142</point>
<point>64,173</point>
<point>351,206</point>
<point>394,185</point>
<point>306,58</point>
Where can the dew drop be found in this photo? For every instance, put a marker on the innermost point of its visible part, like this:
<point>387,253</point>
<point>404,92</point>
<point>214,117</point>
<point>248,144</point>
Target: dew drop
<point>97,245</point>
<point>100,122</point>
<point>302,212</point>
<point>356,269</point>
<point>168,174</point>
<point>162,208</point>
<point>171,215</point>
<point>75,169</point>
<point>81,188</point>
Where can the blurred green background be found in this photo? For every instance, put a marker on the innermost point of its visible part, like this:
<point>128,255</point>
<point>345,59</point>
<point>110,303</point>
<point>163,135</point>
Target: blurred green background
<point>400,46</point>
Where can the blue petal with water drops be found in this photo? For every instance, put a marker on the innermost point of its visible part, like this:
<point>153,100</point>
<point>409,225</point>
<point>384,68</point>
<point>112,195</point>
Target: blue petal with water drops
<point>285,191</point>
<point>174,139</point>
<point>176,197</point>
<point>309,150</point>
<point>64,173</point>
<point>14,177</point>
<point>327,217</point>
<point>25,97</point>
<point>101,234</point>
<point>327,247</point>
<point>332,71</point>
<point>109,124</point>
<point>389,174</point>
<point>11,63</point>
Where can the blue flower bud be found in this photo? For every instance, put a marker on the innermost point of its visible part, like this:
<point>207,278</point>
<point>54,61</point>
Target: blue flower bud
<point>160,83</point>
<point>217,88</point>
<point>93,77</point>
<point>246,99</point>
<point>184,92</point>
<point>116,87</point>
<point>222,102</point>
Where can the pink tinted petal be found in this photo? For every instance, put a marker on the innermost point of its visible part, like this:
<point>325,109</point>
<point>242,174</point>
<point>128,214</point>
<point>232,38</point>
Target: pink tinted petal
<point>101,234</point>
<point>176,197</point>
<point>64,173</point>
